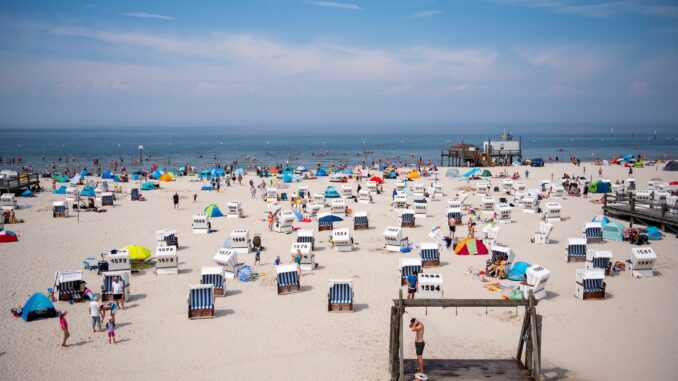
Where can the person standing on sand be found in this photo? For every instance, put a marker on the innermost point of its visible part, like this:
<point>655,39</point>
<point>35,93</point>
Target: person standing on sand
<point>175,200</point>
<point>270,221</point>
<point>453,228</point>
<point>110,327</point>
<point>418,328</point>
<point>64,327</point>
<point>95,315</point>
<point>412,282</point>
<point>257,256</point>
<point>527,174</point>
<point>195,197</point>
<point>118,289</point>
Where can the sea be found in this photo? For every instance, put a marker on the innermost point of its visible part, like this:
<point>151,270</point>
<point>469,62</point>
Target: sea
<point>203,147</point>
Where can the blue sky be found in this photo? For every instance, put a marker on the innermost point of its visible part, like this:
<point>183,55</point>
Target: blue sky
<point>290,62</point>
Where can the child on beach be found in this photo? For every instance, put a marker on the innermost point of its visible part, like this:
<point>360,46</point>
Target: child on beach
<point>110,327</point>
<point>257,256</point>
<point>64,327</point>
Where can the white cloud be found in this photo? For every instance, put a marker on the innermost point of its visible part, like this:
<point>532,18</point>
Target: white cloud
<point>422,14</point>
<point>570,62</point>
<point>144,15</point>
<point>600,8</point>
<point>332,4</point>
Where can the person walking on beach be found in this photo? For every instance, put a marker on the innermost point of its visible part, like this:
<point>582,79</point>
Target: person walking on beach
<point>195,197</point>
<point>175,199</point>
<point>95,315</point>
<point>600,171</point>
<point>418,328</point>
<point>586,191</point>
<point>412,281</point>
<point>110,327</point>
<point>453,228</point>
<point>64,327</point>
<point>257,256</point>
<point>118,292</point>
<point>527,174</point>
<point>270,221</point>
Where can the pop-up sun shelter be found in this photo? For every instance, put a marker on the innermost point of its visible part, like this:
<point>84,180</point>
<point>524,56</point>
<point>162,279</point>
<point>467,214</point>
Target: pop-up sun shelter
<point>321,172</point>
<point>471,246</point>
<point>213,211</point>
<point>7,236</point>
<point>613,231</point>
<point>331,192</point>
<point>88,192</point>
<point>147,186</point>
<point>61,190</point>
<point>37,307</point>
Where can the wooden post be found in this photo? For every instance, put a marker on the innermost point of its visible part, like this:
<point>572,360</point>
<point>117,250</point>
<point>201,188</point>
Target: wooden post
<point>401,355</point>
<point>521,340</point>
<point>539,320</point>
<point>393,344</point>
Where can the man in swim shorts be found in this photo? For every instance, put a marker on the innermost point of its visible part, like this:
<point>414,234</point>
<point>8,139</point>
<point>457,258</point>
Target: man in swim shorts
<point>418,328</point>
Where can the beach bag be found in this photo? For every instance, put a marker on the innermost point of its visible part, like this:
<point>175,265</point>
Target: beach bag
<point>517,295</point>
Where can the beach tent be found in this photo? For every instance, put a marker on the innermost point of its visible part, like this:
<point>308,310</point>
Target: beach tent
<point>331,192</point>
<point>613,231</point>
<point>288,171</point>
<point>8,236</point>
<point>518,271</point>
<point>391,175</point>
<point>64,179</point>
<point>287,178</point>
<point>274,170</point>
<point>377,180</point>
<point>27,193</point>
<point>347,171</point>
<point>204,174</point>
<point>298,215</point>
<point>75,179</point>
<point>107,175</point>
<point>487,173</point>
<point>147,186</point>
<point>56,176</point>
<point>471,172</point>
<point>156,175</point>
<point>207,187</point>
<point>218,172</point>
<point>602,219</point>
<point>166,177</point>
<point>61,190</point>
<point>213,211</point>
<point>628,157</point>
<point>452,172</point>
<point>84,172</point>
<point>88,191</point>
<point>471,246</point>
<point>38,306</point>
<point>135,176</point>
<point>137,253</point>
<point>599,187</point>
<point>671,165</point>
<point>413,175</point>
<point>321,172</point>
<point>653,233</point>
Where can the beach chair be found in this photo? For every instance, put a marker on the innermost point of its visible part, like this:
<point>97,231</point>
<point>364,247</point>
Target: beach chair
<point>430,286</point>
<point>436,191</point>
<point>462,196</point>
<point>372,186</point>
<point>504,213</point>
<point>400,201</point>
<point>420,208</point>
<point>530,204</point>
<point>519,186</point>
<point>200,301</point>
<point>430,254</point>
<point>418,190</point>
<point>324,225</point>
<point>543,236</point>
<point>482,188</point>
<point>319,198</point>
<point>507,185</point>
<point>487,203</point>
<point>213,275</point>
<point>229,261</point>
<point>118,260</point>
<point>660,196</point>
<point>406,218</point>
<point>342,240</point>
<point>407,267</point>
<point>271,195</point>
<point>134,194</point>
<point>557,192</point>
<point>283,222</point>
<point>365,196</point>
<point>67,285</point>
<point>601,260</point>
<point>454,213</point>
<point>346,191</point>
<point>241,241</point>
<point>287,279</point>
<point>642,261</point>
<point>201,224</point>
<point>576,250</point>
<point>107,285</point>
<point>340,296</point>
<point>313,209</point>
<point>454,203</point>
<point>306,236</point>
<point>8,201</point>
<point>338,207</point>
<point>166,260</point>
<point>234,210</point>
<point>552,212</point>
<point>643,197</point>
<point>360,221</point>
<point>307,255</point>
<point>167,237</point>
<point>536,278</point>
<point>590,284</point>
<point>393,237</point>
<point>107,198</point>
<point>518,197</point>
<point>491,233</point>
<point>593,231</point>
<point>59,209</point>
<point>500,254</point>
<point>400,186</point>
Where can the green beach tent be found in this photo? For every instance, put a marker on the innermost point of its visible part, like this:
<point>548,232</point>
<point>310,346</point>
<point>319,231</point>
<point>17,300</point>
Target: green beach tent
<point>613,231</point>
<point>213,211</point>
<point>487,173</point>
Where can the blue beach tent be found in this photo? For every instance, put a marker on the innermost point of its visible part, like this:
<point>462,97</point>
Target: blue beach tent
<point>88,192</point>
<point>331,192</point>
<point>147,186</point>
<point>107,175</point>
<point>518,271</point>
<point>61,190</point>
<point>653,233</point>
<point>37,307</point>
<point>321,172</point>
<point>471,172</point>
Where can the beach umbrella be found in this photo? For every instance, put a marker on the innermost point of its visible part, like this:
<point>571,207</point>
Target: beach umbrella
<point>213,211</point>
<point>8,236</point>
<point>377,180</point>
<point>298,215</point>
<point>602,219</point>
<point>137,253</point>
<point>330,218</point>
<point>471,246</point>
<point>413,175</point>
<point>486,173</point>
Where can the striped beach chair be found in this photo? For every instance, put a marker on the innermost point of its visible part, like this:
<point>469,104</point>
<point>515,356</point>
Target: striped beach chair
<point>306,236</point>
<point>407,219</point>
<point>340,296</point>
<point>324,225</point>
<point>590,284</point>
<point>407,267</point>
<point>593,231</point>
<point>201,301</point>
<point>287,279</point>
<point>601,260</point>
<point>576,250</point>
<point>360,221</point>
<point>213,275</point>
<point>67,285</point>
<point>430,254</point>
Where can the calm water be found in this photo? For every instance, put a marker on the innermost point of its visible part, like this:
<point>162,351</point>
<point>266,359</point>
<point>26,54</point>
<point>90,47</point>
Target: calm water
<point>182,146</point>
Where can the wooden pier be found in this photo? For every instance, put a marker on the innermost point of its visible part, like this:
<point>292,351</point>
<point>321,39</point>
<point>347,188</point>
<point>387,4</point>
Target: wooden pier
<point>19,184</point>
<point>525,366</point>
<point>629,207</point>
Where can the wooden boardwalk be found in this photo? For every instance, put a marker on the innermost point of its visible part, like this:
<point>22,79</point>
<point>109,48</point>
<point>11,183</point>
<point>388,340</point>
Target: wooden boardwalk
<point>19,184</point>
<point>468,370</point>
<point>649,213</point>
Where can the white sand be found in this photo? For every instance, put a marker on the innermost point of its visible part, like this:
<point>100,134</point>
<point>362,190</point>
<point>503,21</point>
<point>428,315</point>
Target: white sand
<point>259,335</point>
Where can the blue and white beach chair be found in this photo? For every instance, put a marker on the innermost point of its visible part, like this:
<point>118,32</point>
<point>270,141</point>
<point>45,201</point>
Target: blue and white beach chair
<point>340,296</point>
<point>213,275</point>
<point>593,231</point>
<point>576,250</point>
<point>590,284</point>
<point>201,301</point>
<point>407,267</point>
<point>287,279</point>
<point>430,254</point>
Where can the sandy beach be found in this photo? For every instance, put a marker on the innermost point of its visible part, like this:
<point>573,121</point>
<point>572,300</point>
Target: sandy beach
<point>259,335</point>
